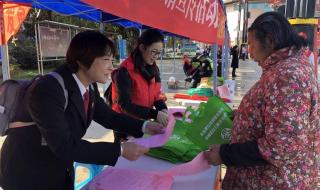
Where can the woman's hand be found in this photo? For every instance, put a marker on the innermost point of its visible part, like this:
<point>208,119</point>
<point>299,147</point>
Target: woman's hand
<point>153,128</point>
<point>132,151</point>
<point>162,118</point>
<point>212,155</point>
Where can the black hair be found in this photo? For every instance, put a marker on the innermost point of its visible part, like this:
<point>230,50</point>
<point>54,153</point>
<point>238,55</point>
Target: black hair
<point>85,47</point>
<point>147,38</point>
<point>276,26</point>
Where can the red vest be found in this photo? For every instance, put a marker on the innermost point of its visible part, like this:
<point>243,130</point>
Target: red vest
<point>142,94</point>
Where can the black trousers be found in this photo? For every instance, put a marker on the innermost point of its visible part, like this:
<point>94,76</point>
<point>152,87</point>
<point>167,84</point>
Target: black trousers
<point>234,71</point>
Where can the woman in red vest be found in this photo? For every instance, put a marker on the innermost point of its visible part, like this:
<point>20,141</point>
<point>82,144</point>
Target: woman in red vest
<point>136,83</point>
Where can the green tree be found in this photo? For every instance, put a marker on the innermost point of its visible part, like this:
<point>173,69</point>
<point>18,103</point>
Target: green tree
<point>23,52</point>
<point>129,34</point>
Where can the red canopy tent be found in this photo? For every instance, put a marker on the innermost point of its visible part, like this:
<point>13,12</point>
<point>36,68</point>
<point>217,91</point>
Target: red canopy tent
<point>201,20</point>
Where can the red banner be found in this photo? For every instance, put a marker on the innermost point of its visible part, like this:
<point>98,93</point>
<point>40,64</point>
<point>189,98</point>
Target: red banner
<point>196,19</point>
<point>11,17</point>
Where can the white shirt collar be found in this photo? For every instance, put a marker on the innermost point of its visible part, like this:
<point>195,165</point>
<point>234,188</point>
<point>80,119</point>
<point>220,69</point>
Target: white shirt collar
<point>82,88</point>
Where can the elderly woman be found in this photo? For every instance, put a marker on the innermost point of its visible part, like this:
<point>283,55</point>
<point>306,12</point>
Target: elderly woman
<point>275,138</point>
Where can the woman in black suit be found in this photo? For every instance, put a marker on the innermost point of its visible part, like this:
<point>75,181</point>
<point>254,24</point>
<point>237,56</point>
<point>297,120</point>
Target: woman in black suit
<point>41,156</point>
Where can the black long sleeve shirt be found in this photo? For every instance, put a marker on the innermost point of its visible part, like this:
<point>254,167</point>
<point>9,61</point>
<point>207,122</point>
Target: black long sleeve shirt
<point>241,154</point>
<point>124,84</point>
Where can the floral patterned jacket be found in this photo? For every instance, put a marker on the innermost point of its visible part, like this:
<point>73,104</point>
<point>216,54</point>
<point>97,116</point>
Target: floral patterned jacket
<point>280,112</point>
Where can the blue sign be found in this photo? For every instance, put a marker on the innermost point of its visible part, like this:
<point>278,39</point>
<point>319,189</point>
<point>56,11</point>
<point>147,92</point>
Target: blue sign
<point>189,47</point>
<point>123,49</point>
<point>165,39</point>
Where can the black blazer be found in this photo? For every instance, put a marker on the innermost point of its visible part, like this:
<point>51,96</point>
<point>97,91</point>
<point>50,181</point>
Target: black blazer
<point>26,164</point>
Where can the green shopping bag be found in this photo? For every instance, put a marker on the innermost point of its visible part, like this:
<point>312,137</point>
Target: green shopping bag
<point>211,123</point>
<point>178,148</point>
<point>200,91</point>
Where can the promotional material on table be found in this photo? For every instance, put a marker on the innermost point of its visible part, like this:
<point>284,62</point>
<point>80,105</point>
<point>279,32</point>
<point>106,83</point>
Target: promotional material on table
<point>112,178</point>
<point>211,123</point>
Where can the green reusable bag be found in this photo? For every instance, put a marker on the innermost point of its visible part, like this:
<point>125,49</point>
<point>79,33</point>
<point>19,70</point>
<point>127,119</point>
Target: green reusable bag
<point>178,148</point>
<point>211,123</point>
<point>189,139</point>
<point>200,91</point>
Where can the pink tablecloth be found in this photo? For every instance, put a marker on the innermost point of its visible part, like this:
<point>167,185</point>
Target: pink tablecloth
<point>147,173</point>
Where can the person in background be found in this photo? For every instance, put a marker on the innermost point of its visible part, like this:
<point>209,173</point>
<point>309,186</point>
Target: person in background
<point>187,66</point>
<point>207,51</point>
<point>41,156</point>
<point>309,53</point>
<point>136,84</point>
<point>235,59</point>
<point>203,68</point>
<point>244,52</point>
<point>275,136</point>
